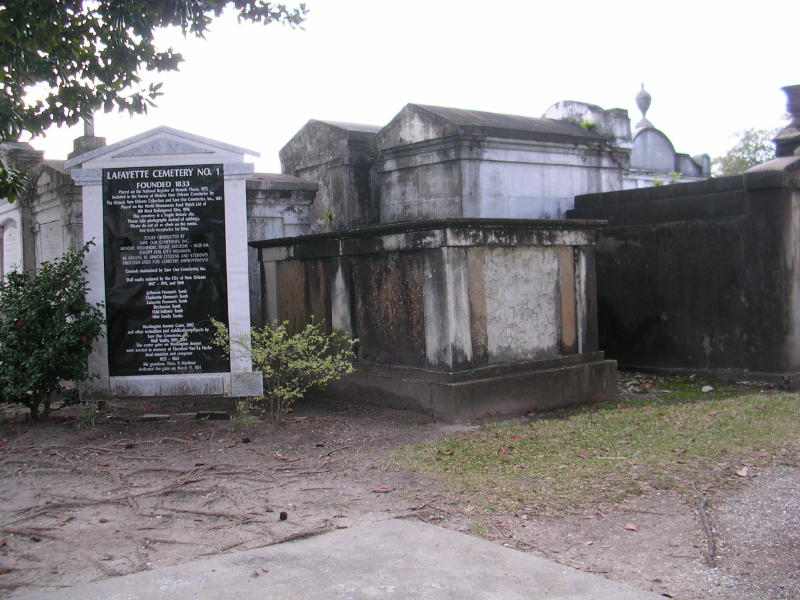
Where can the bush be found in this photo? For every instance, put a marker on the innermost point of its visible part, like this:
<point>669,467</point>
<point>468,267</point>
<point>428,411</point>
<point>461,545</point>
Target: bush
<point>46,333</point>
<point>292,364</point>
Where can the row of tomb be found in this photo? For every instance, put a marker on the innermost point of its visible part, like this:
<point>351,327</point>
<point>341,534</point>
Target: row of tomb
<point>440,241</point>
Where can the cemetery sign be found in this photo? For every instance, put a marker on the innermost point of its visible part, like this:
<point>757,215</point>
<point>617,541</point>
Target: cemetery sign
<point>164,248</point>
<point>167,213</point>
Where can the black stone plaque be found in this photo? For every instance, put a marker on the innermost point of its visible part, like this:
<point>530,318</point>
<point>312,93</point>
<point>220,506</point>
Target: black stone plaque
<point>164,247</point>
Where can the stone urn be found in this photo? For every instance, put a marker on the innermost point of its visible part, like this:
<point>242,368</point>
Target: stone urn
<point>787,142</point>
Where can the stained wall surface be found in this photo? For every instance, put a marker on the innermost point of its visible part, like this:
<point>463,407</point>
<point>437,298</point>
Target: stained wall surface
<point>702,276</point>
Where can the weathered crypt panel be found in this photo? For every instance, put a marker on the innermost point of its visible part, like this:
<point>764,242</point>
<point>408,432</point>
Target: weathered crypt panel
<point>461,318</point>
<point>522,304</point>
<point>388,309</point>
<point>303,292</point>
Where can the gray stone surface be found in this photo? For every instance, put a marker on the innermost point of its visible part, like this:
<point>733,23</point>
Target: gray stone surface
<point>703,276</point>
<point>337,156</point>
<point>444,311</point>
<point>392,559</point>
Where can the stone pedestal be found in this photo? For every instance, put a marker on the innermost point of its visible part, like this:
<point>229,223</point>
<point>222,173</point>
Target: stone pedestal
<point>787,141</point>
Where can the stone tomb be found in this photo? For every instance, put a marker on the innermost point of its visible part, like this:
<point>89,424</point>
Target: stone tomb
<point>459,318</point>
<point>166,211</point>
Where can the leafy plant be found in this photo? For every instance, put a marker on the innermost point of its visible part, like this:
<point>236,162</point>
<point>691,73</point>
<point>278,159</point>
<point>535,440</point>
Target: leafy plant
<point>675,176</point>
<point>327,216</point>
<point>658,182</point>
<point>292,364</point>
<point>46,333</point>
<point>588,125</point>
<point>752,147</point>
<point>75,57</point>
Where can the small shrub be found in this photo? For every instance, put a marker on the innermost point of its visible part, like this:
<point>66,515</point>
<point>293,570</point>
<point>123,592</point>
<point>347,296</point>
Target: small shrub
<point>46,333</point>
<point>292,364</point>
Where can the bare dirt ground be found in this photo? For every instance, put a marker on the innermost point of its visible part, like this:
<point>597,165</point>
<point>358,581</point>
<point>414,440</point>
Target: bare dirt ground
<point>124,495</point>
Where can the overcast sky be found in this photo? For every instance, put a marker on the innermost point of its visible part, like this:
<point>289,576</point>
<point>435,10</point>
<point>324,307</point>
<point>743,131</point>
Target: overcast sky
<point>712,68</point>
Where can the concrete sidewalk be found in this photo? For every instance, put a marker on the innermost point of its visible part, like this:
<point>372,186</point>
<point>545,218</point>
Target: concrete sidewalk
<point>399,559</point>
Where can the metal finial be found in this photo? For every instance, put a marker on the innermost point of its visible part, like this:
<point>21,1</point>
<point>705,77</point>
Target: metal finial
<point>643,101</point>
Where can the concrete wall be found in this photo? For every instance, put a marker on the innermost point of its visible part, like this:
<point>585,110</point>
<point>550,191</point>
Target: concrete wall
<point>277,206</point>
<point>338,157</point>
<point>443,303</point>
<point>55,213</point>
<point>477,177</point>
<point>703,276</point>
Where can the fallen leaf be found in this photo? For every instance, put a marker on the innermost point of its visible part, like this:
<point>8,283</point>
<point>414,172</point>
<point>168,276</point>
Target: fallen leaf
<point>299,418</point>
<point>679,450</point>
<point>531,414</point>
<point>713,412</point>
<point>3,542</point>
<point>502,451</point>
<point>761,407</point>
<point>382,490</point>
<point>283,516</point>
<point>446,452</point>
<point>622,405</point>
<point>187,436</point>
<point>231,445</point>
<point>254,574</point>
<point>743,472</point>
<point>263,570</point>
<point>706,389</point>
<point>200,464</point>
<point>5,571</point>
<point>102,464</point>
<point>320,445</point>
<point>630,527</point>
<point>285,459</point>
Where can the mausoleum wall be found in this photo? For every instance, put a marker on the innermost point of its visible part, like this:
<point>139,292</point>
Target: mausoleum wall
<point>457,317</point>
<point>703,276</point>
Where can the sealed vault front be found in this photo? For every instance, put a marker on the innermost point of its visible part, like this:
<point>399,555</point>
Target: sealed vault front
<point>164,252</point>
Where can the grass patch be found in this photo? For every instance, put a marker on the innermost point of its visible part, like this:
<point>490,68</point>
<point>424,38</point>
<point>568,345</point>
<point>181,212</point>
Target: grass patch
<point>602,454</point>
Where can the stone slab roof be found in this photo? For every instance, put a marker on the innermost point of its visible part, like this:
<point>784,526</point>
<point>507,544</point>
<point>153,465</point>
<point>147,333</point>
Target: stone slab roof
<point>272,181</point>
<point>502,125</point>
<point>352,127</point>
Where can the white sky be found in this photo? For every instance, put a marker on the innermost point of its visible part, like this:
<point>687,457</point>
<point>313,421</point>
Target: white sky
<point>712,68</point>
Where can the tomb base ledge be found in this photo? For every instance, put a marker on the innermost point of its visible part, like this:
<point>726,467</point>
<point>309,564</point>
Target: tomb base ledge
<point>500,395</point>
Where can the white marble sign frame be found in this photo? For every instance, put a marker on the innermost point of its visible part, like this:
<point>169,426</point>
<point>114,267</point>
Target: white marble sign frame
<point>165,146</point>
